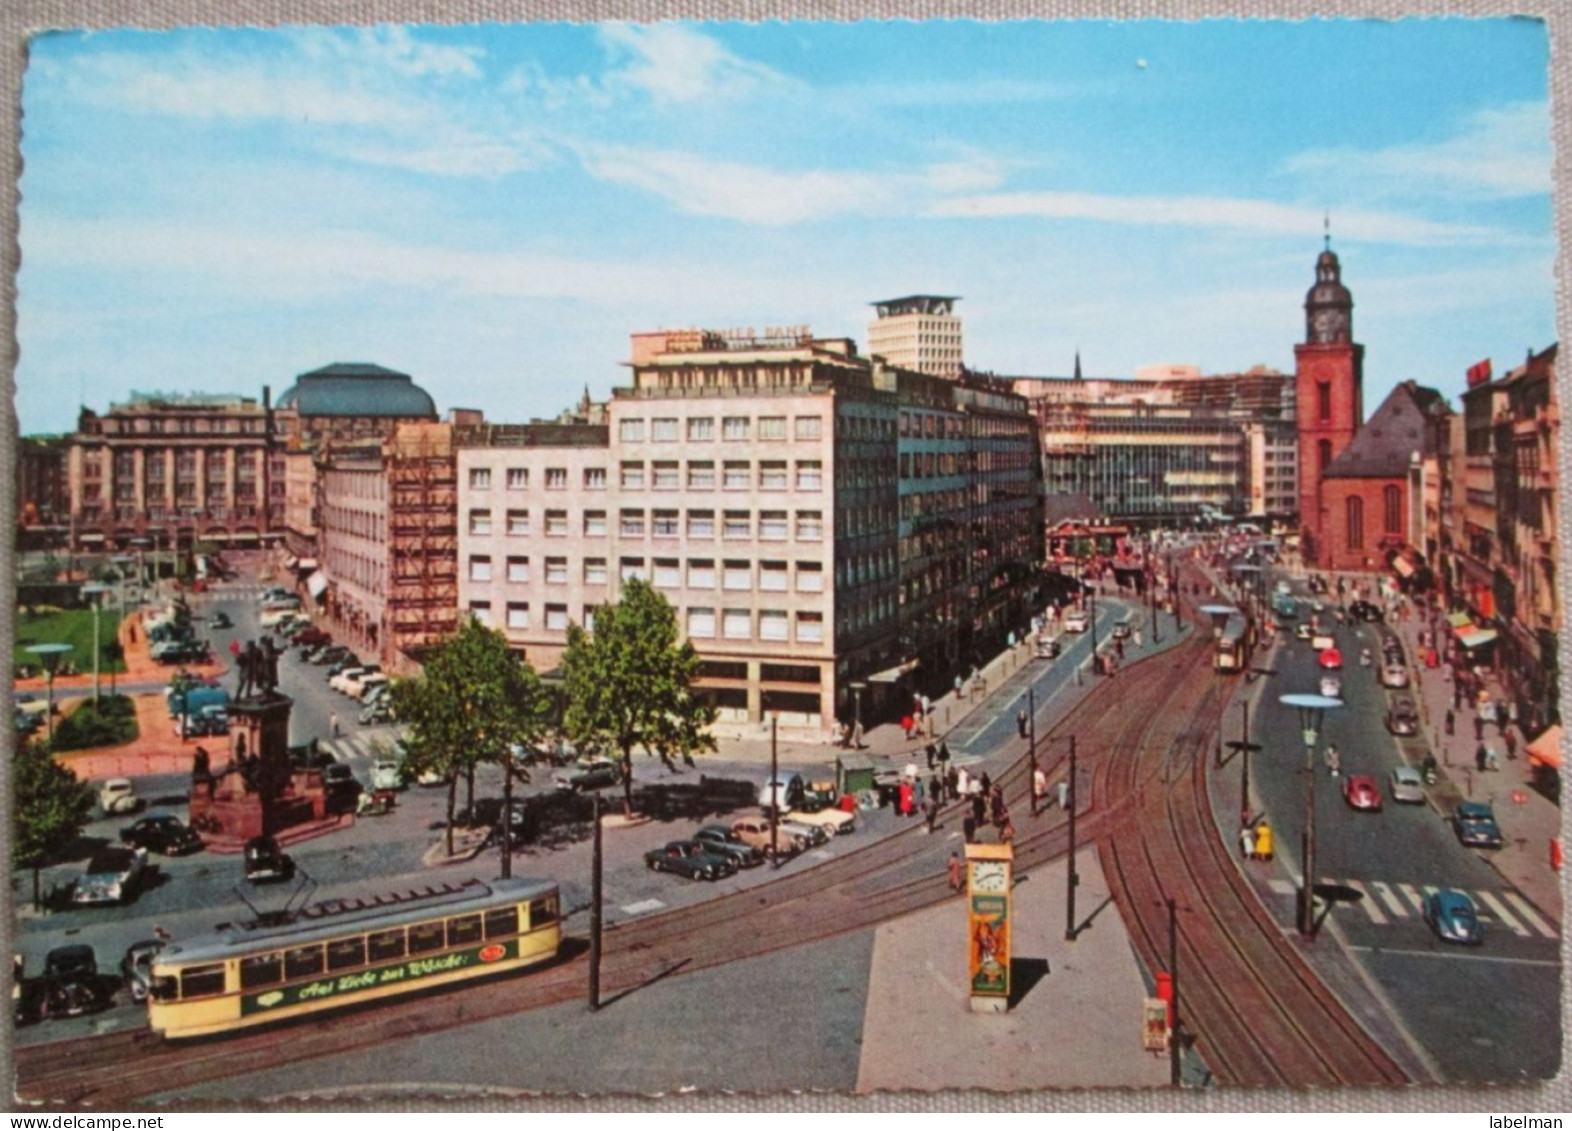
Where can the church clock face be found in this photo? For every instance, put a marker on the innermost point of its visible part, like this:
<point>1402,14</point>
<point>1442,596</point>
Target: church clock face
<point>1328,325</point>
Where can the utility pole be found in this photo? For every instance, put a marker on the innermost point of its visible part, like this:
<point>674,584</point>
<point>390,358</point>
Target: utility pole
<point>775,795</point>
<point>507,813</point>
<point>1175,1061</point>
<point>1031,747</point>
<point>596,896</point>
<point>1244,781</point>
<point>1072,880</point>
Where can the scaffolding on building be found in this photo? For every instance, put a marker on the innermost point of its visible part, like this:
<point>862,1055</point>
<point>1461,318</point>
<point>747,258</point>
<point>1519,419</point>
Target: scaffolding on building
<point>423,515</point>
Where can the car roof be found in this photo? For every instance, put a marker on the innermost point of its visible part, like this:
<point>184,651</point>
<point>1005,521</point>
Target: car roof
<point>1450,899</point>
<point>1405,773</point>
<point>1474,809</point>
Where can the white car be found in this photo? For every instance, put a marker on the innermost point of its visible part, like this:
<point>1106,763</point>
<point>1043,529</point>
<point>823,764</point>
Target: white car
<point>1077,622</point>
<point>1394,675</point>
<point>354,685</point>
<point>387,773</point>
<point>372,686</point>
<point>118,795</point>
<point>1284,588</point>
<point>113,875</point>
<point>1321,641</point>
<point>833,821</point>
<point>340,682</point>
<point>272,618</point>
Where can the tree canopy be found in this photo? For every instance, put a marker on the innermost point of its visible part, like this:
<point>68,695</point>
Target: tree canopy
<point>52,805</point>
<point>629,684</point>
<point>473,703</point>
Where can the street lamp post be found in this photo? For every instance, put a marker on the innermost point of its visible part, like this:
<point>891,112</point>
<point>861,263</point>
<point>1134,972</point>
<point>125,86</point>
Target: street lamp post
<point>96,591</point>
<point>857,690</point>
<point>1072,880</point>
<point>49,655</point>
<point>1312,711</point>
<point>597,895</point>
<point>1031,741</point>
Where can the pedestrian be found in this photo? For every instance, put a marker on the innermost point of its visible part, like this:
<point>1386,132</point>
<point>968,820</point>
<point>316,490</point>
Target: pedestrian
<point>1119,649</point>
<point>1007,831</point>
<point>954,870</point>
<point>1021,721</point>
<point>963,781</point>
<point>1039,788</point>
<point>1451,723</point>
<point>952,784</point>
<point>1263,841</point>
<point>979,810</point>
<point>957,685</point>
<point>333,724</point>
<point>969,827</point>
<point>927,707</point>
<point>1479,726</point>
<point>932,752</point>
<point>936,788</point>
<point>1510,738</point>
<point>944,753</point>
<point>996,806</point>
<point>857,743</point>
<point>1334,761</point>
<point>1247,842</point>
<point>906,725</point>
<point>1063,789</point>
<point>1481,755</point>
<point>1137,638</point>
<point>986,782</point>
<point>917,791</point>
<point>930,812</point>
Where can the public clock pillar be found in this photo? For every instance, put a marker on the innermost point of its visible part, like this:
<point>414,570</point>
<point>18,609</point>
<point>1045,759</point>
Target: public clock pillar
<point>990,873</point>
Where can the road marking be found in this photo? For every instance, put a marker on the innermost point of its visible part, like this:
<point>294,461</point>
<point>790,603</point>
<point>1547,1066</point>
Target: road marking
<point>1500,911</point>
<point>821,854</point>
<point>1526,910</point>
<point>1368,902</point>
<point>642,907</point>
<point>1282,887</point>
<point>1393,904</point>
<point>1460,954</point>
<point>1407,891</point>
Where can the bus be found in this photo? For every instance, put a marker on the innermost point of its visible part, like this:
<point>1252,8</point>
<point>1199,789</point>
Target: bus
<point>1232,643</point>
<point>342,952</point>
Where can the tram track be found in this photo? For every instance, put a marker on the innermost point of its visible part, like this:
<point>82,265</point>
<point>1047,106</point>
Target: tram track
<point>1126,728</point>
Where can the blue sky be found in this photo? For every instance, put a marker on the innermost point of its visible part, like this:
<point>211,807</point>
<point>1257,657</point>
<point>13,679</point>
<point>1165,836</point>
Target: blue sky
<point>494,208</point>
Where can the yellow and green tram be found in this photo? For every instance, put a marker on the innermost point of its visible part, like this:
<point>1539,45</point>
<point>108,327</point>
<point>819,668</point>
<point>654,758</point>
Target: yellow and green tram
<point>341,952</point>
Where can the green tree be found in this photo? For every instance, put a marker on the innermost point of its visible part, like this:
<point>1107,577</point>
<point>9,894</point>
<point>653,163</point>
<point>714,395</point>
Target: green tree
<point>51,808</point>
<point>474,702</point>
<point>629,684</point>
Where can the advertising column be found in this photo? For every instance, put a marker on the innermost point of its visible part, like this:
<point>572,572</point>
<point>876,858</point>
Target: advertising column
<point>989,873</point>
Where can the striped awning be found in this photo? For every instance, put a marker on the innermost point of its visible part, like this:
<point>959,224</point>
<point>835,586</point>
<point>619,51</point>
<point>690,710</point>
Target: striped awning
<point>1477,638</point>
<point>1546,749</point>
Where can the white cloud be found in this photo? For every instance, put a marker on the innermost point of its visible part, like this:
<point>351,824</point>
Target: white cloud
<point>1502,152</point>
<point>393,47</point>
<point>1220,213</point>
<point>462,154</point>
<point>675,64</point>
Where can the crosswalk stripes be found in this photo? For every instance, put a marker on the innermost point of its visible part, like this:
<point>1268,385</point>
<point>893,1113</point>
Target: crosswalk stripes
<point>1526,910</point>
<point>1386,903</point>
<point>1501,913</point>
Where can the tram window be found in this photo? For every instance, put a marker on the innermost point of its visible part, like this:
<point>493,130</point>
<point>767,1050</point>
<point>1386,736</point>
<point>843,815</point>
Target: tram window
<point>543,911</point>
<point>383,945</point>
<point>344,953</point>
<point>464,929</point>
<point>261,970</point>
<point>424,937</point>
<point>302,962</point>
<point>164,988</point>
<point>502,922</point>
<point>200,981</point>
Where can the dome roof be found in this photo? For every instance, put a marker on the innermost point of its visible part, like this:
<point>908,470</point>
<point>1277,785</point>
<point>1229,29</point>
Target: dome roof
<point>1328,289</point>
<point>358,389</point>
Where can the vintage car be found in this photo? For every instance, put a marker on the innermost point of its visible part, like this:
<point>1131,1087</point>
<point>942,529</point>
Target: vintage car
<point>163,833</point>
<point>1361,792</point>
<point>756,831</point>
<point>112,875</point>
<point>691,858</point>
<point>118,795</point>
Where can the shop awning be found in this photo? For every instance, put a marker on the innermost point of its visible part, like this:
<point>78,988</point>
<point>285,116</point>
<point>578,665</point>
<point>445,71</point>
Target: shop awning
<point>1546,749</point>
<point>890,675</point>
<point>1459,620</point>
<point>317,584</point>
<point>1476,639</point>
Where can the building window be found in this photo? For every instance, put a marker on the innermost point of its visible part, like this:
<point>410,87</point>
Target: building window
<point>589,618</point>
<point>1323,455</point>
<point>810,475</point>
<point>663,430</point>
<point>480,479</point>
<point>632,524</point>
<point>595,572</point>
<point>556,479</point>
<point>595,524</point>
<point>810,428</point>
<point>518,523</point>
<point>810,628</point>
<point>701,428</point>
<point>701,573</point>
<point>480,568</point>
<point>737,575</point>
<point>810,526</point>
<point>1392,499</point>
<point>773,577</point>
<point>810,577</point>
<point>594,478</point>
<point>556,524</point>
<point>701,476</point>
<point>480,522</point>
<point>701,624</point>
<point>701,524</point>
<point>663,475</point>
<point>772,526</point>
<point>481,611</point>
<point>633,477</point>
<point>1323,400</point>
<point>632,567</point>
<point>1355,507</point>
<point>772,427</point>
<point>664,524</point>
<point>518,478</point>
<point>772,475</point>
<point>631,430</point>
<point>737,524</point>
<point>518,569</point>
<point>734,428</point>
<point>556,571</point>
<point>737,624</point>
<point>518,614</point>
<point>668,573</point>
<point>736,475</point>
<point>556,618</point>
<point>772,624</point>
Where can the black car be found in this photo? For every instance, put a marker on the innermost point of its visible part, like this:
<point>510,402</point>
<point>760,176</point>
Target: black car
<point>164,834</point>
<point>331,654</point>
<point>220,620</point>
<point>718,838</point>
<point>71,985</point>
<point>691,858</point>
<point>342,788</point>
<point>1365,611</point>
<point>1475,825</point>
<point>266,862</point>
<point>343,663</point>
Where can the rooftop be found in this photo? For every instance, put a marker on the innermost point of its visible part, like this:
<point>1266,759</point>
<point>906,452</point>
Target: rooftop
<point>350,388</point>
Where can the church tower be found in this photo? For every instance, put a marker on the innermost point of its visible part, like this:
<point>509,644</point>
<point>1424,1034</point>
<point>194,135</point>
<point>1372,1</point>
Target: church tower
<point>1329,368</point>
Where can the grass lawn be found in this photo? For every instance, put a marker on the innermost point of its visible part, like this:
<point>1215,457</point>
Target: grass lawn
<point>68,626</point>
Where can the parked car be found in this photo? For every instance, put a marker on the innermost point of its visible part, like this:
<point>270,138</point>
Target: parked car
<point>1360,791</point>
<point>208,721</point>
<point>1475,825</point>
<point>1452,917</point>
<point>311,636</point>
<point>342,787</point>
<point>379,710</point>
<point>756,831</point>
<point>1406,785</point>
<point>331,654</point>
<point>811,835</point>
<point>718,838</point>
<point>179,652</point>
<point>112,875</point>
<point>1401,718</point>
<point>118,795</point>
<point>347,662</point>
<point>1047,649</point>
<point>833,821</point>
<point>220,619</point>
<point>783,792</point>
<point>265,862</point>
<point>595,773</point>
<point>136,968</point>
<point>336,681</point>
<point>163,833</point>
<point>275,594</point>
<point>1394,675</point>
<point>71,985</point>
<point>690,858</point>
<point>1303,631</point>
<point>1077,622</point>
<point>1321,640</point>
<point>366,685</point>
<point>1365,611</point>
<point>387,773</point>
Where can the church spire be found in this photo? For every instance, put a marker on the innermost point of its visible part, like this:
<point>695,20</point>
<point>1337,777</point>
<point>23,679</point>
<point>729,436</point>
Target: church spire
<point>1077,365</point>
